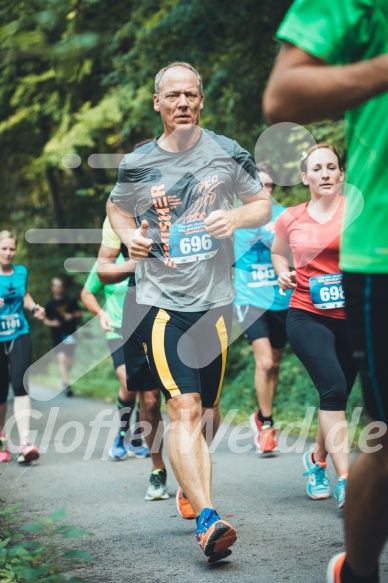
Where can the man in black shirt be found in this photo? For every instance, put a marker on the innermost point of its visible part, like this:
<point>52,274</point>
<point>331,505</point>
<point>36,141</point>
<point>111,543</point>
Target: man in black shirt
<point>62,313</point>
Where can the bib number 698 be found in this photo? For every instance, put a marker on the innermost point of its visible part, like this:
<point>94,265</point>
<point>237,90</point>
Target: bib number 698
<point>332,293</point>
<point>195,244</point>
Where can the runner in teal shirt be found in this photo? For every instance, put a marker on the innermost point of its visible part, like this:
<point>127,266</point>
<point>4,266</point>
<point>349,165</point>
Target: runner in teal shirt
<point>15,347</point>
<point>262,312</point>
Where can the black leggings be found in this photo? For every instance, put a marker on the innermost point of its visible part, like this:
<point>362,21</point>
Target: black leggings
<point>322,344</point>
<point>16,355</point>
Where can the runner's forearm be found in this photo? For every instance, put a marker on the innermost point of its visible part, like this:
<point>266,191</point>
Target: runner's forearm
<point>90,301</point>
<point>300,91</point>
<point>123,225</point>
<point>254,214</point>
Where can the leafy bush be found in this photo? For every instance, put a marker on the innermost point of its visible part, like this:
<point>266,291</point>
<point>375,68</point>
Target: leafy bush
<point>42,561</point>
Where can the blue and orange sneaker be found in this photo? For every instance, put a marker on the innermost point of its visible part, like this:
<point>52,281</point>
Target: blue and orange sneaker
<point>214,536</point>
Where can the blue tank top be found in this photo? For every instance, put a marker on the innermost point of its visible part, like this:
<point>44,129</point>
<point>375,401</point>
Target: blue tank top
<point>13,288</point>
<point>255,280</point>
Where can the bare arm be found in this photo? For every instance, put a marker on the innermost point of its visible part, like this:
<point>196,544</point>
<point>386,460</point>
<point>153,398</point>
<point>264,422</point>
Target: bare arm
<point>36,309</point>
<point>123,225</point>
<point>51,323</point>
<point>90,301</point>
<point>136,239</point>
<point>255,212</point>
<point>92,305</point>
<point>281,262</point>
<point>303,89</point>
<point>108,270</point>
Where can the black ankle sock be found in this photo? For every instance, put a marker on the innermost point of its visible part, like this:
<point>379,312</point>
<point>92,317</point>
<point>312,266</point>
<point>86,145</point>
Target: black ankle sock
<point>265,420</point>
<point>125,416</point>
<point>349,576</point>
<point>139,430</point>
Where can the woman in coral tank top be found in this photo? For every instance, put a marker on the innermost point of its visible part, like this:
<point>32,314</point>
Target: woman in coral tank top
<point>316,325</point>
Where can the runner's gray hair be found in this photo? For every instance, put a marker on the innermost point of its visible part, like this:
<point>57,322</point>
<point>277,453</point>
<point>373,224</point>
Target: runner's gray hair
<point>177,64</point>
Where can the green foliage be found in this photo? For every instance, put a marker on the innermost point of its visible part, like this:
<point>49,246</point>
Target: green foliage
<point>23,560</point>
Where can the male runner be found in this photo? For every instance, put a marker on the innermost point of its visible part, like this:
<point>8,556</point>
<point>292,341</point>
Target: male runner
<point>62,314</point>
<point>173,205</point>
<point>138,376</point>
<point>111,316</point>
<point>333,60</point>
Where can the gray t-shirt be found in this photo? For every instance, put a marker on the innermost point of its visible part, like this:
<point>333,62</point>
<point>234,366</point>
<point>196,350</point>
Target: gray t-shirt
<point>187,270</point>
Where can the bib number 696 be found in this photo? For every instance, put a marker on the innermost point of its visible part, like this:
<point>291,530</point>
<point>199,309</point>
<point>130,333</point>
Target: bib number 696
<point>195,244</point>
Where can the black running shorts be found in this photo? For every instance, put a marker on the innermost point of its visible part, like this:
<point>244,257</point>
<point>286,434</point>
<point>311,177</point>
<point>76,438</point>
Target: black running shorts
<point>258,323</point>
<point>187,351</point>
<point>139,377</point>
<point>116,349</point>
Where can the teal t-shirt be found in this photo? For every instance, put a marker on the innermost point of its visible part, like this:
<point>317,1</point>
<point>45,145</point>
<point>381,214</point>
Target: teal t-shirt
<point>13,288</point>
<point>340,33</point>
<point>255,280</point>
<point>114,295</point>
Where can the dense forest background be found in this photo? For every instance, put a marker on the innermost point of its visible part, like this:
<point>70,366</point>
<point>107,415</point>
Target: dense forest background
<point>76,78</point>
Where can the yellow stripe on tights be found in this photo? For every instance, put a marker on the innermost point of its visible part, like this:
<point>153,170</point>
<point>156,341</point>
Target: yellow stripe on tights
<point>159,354</point>
<point>223,336</point>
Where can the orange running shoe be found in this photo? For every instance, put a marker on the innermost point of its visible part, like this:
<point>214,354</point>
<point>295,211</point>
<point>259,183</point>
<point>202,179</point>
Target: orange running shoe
<point>183,505</point>
<point>266,441</point>
<point>256,424</point>
<point>214,536</point>
<point>333,573</point>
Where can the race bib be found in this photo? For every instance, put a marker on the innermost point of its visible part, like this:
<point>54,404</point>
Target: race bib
<point>191,242</point>
<point>10,324</point>
<point>261,275</point>
<point>326,291</point>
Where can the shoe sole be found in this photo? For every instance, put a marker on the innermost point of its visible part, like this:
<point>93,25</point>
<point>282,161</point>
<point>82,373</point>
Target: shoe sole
<point>219,556</point>
<point>325,497</point>
<point>223,537</point>
<point>162,497</point>
<point>116,459</point>
<point>266,453</point>
<point>177,507</point>
<point>30,457</point>
<point>330,568</point>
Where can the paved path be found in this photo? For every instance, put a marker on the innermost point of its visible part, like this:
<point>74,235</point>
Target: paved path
<point>283,535</point>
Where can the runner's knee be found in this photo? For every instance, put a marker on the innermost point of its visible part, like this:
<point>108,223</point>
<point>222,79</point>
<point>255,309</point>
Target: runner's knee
<point>333,398</point>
